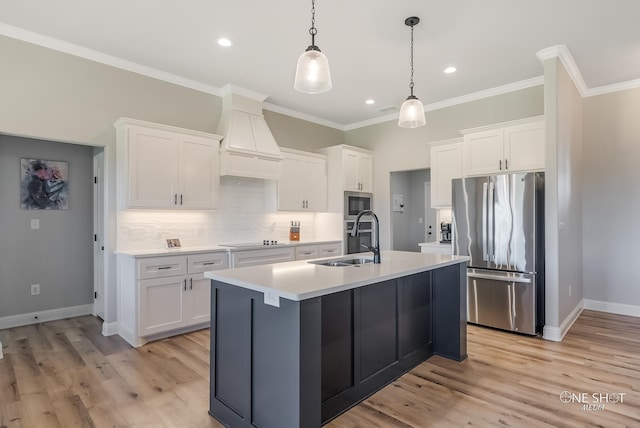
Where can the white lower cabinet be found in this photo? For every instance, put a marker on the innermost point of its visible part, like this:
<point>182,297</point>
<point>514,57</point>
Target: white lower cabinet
<point>165,294</point>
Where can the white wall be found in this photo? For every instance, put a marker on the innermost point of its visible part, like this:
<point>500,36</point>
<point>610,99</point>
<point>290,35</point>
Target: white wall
<point>611,204</point>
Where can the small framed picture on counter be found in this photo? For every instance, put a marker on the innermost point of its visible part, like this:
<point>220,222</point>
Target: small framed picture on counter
<point>173,243</point>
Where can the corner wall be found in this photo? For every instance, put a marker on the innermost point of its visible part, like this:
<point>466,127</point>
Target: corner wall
<point>563,200</point>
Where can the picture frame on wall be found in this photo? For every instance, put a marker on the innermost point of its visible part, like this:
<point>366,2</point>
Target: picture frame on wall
<point>44,184</point>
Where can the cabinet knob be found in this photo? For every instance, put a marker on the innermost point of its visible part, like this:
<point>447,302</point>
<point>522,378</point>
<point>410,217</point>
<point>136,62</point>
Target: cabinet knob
<point>500,164</point>
<point>180,198</point>
<point>175,199</point>
<point>185,284</point>
<point>190,283</point>
<point>506,164</point>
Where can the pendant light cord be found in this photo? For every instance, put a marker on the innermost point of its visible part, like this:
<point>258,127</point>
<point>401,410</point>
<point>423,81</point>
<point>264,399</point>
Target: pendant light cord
<point>313,30</point>
<point>411,84</point>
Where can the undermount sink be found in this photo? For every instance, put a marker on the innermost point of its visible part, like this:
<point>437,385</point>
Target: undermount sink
<point>343,262</point>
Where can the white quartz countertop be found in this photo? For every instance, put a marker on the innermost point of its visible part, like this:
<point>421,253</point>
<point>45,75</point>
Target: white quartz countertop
<point>301,280</point>
<point>213,248</point>
<point>435,244</point>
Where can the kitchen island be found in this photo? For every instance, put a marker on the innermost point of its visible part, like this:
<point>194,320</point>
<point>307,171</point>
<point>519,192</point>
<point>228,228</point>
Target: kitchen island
<point>296,344</point>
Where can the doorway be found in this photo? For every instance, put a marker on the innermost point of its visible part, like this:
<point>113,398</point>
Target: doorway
<point>98,235</point>
<point>413,221</point>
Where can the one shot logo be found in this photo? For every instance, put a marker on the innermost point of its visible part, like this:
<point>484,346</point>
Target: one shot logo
<point>594,401</point>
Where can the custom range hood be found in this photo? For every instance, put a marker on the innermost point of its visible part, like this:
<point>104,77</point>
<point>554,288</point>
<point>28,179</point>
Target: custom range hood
<point>248,148</point>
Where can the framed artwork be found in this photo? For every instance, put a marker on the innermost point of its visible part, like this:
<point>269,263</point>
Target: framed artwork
<point>44,184</point>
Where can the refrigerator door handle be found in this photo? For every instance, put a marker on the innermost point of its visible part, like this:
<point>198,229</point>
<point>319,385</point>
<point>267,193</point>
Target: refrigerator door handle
<point>492,221</point>
<point>485,220</point>
<point>499,277</point>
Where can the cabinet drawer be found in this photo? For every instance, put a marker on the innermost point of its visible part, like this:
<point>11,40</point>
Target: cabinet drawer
<point>304,252</point>
<point>261,257</point>
<point>158,267</point>
<point>199,263</point>
<point>329,250</point>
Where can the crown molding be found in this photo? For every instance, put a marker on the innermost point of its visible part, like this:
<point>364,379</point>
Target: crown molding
<point>303,116</point>
<point>562,52</point>
<point>487,93</point>
<point>92,55</point>
<point>615,87</point>
<point>239,90</point>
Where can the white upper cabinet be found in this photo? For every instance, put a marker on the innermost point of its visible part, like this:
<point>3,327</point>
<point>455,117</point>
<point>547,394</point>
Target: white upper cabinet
<point>446,164</point>
<point>303,184</point>
<point>163,167</point>
<point>503,148</point>
<point>350,169</point>
<point>358,171</point>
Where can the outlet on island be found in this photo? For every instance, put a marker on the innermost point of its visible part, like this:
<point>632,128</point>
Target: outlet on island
<point>35,289</point>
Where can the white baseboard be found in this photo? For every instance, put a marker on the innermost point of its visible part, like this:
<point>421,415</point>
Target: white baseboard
<point>109,328</point>
<point>43,316</point>
<point>613,308</point>
<point>556,334</point>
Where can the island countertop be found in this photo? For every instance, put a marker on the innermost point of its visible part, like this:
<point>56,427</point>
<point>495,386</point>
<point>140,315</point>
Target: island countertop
<point>301,280</point>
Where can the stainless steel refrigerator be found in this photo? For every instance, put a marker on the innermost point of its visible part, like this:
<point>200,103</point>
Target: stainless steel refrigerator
<point>498,221</point>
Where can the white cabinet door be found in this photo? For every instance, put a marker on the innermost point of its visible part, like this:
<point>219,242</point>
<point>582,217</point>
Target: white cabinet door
<point>446,164</point>
<point>153,171</point>
<point>289,186</point>
<point>198,299</point>
<point>358,171</point>
<point>483,152</point>
<point>350,170</point>
<point>365,172</point>
<point>314,184</point>
<point>197,173</point>
<point>524,147</point>
<point>161,304</point>
<point>303,184</point>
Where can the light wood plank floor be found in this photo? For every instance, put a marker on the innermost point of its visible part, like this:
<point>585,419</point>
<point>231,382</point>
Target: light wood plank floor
<point>65,374</point>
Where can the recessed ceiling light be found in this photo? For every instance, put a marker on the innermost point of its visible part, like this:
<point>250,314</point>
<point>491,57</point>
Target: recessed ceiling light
<point>224,42</point>
<point>370,101</point>
<point>450,70</point>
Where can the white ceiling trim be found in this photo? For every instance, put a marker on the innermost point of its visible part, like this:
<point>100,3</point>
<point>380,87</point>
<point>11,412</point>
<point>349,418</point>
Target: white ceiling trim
<point>562,52</point>
<point>303,116</point>
<point>92,55</point>
<point>615,87</point>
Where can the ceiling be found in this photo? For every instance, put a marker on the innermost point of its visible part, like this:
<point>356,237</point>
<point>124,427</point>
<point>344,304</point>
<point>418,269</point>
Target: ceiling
<point>492,43</point>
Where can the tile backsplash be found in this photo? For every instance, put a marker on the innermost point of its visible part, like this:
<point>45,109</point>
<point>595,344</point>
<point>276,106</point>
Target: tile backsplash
<point>241,217</point>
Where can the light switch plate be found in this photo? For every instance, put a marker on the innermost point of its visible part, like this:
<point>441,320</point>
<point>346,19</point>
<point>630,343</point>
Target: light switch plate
<point>35,223</point>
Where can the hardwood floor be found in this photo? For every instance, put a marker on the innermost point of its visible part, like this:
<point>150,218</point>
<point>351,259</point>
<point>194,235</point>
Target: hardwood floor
<point>66,374</point>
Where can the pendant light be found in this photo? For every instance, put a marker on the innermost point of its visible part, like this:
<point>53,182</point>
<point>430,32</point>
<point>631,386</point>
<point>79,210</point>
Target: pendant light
<point>412,110</point>
<point>312,73</point>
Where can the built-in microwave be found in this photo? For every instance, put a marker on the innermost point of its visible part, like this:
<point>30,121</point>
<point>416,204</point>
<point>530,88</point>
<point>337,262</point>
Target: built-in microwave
<point>354,202</point>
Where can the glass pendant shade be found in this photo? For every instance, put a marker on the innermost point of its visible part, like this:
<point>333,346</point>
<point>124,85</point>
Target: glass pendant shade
<point>312,73</point>
<point>412,113</point>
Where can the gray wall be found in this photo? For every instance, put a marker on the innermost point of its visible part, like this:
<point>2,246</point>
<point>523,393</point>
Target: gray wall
<point>563,196</point>
<point>611,204</point>
<point>299,134</point>
<point>59,255</point>
<point>407,230</point>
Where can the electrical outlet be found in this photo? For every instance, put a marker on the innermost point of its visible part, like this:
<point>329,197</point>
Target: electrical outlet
<point>35,223</point>
<point>35,289</point>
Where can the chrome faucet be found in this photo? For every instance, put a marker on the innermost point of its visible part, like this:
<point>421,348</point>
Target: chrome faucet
<point>376,233</point>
